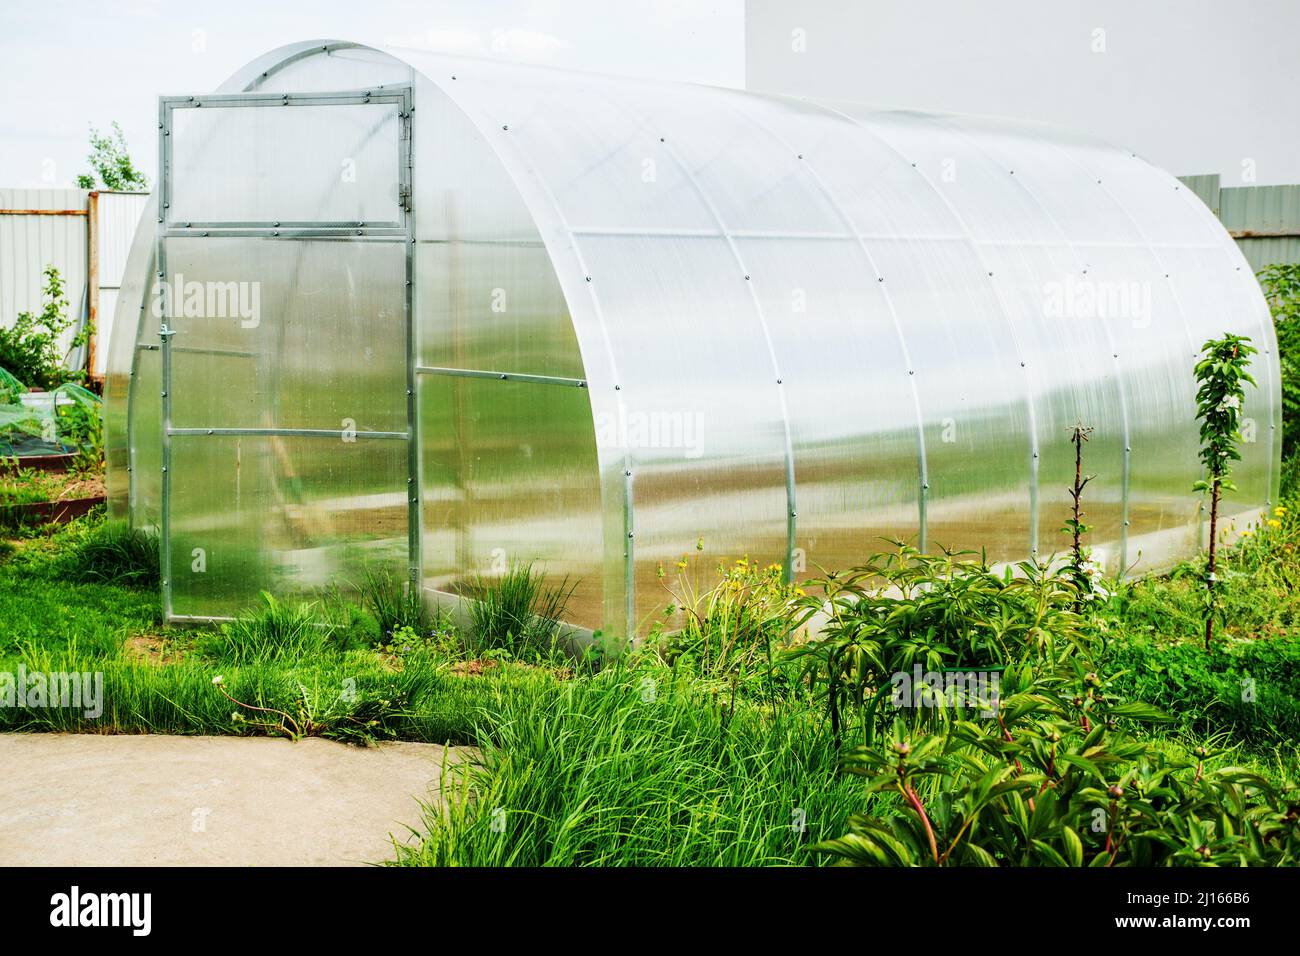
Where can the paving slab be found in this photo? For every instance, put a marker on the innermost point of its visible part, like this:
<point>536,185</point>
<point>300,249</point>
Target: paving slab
<point>154,800</point>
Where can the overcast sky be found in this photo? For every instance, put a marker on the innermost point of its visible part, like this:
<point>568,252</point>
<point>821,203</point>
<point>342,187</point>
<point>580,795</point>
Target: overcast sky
<point>68,64</point>
<point>1195,86</point>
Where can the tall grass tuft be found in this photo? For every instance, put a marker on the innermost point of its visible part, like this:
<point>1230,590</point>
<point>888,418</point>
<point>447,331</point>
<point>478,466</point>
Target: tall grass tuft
<point>394,603</point>
<point>113,553</point>
<point>276,632</point>
<point>519,613</point>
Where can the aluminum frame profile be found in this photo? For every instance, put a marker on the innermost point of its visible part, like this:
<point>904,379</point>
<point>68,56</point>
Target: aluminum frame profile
<point>399,230</point>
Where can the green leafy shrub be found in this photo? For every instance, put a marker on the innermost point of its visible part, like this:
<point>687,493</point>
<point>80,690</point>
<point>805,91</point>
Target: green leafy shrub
<point>1221,378</point>
<point>1281,284</point>
<point>29,349</point>
<point>1248,691</point>
<point>1057,780</point>
<point>904,608</point>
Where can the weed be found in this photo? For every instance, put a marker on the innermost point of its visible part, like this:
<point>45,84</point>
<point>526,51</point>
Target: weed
<point>518,614</point>
<point>113,553</point>
<point>395,603</point>
<point>274,632</point>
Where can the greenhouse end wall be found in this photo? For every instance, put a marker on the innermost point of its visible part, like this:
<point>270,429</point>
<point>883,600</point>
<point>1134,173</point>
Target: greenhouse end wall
<point>654,324</point>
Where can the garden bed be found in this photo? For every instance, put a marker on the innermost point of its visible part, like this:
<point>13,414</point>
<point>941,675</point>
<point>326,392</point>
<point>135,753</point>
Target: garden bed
<point>35,496</point>
<point>56,462</point>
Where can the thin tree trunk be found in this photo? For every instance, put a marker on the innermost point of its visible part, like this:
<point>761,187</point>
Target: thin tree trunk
<point>1078,543</point>
<point>1214,545</point>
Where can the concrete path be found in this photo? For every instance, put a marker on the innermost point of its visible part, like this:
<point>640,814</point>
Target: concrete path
<point>91,800</point>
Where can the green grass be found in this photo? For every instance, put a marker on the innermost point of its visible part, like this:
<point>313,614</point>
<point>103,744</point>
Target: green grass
<point>112,553</point>
<point>518,613</point>
<point>301,659</point>
<point>639,764</point>
<point>606,772</point>
<point>393,604</point>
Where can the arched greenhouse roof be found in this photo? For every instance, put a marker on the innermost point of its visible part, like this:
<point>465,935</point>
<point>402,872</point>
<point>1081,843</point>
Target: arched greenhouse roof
<point>792,328</point>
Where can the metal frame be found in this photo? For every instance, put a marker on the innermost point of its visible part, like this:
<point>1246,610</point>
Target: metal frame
<point>401,230</point>
<point>501,376</point>
<point>400,97</point>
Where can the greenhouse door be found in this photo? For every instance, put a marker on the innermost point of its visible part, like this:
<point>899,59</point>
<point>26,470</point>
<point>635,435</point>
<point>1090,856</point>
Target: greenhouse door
<point>283,307</point>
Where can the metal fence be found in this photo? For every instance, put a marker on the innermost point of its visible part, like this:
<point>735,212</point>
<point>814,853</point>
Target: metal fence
<point>85,235</point>
<point>1265,220</point>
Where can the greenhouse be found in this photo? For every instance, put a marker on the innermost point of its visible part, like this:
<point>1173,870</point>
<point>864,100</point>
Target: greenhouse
<point>449,316</point>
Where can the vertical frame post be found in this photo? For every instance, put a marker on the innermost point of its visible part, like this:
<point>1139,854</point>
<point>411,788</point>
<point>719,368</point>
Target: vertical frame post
<point>165,334</point>
<point>165,536</point>
<point>415,557</point>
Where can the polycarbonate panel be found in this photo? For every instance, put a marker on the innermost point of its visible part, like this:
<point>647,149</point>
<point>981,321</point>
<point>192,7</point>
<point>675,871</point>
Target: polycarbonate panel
<point>702,419</point>
<point>128,328</point>
<point>494,307</point>
<point>287,333</point>
<point>858,476</point>
<point>510,479</point>
<point>327,163</point>
<point>144,456</point>
<point>875,190</point>
<point>1207,304</point>
<point>978,449</point>
<point>283,514</point>
<point>1216,292</point>
<point>1156,350</point>
<point>982,194</point>
<point>342,66</point>
<point>1066,330</point>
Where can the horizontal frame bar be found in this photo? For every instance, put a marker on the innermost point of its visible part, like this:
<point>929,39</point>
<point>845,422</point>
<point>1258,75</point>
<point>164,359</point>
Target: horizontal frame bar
<point>674,233</point>
<point>198,350</point>
<point>361,97</point>
<point>1264,233</point>
<point>389,233</point>
<point>44,212</point>
<point>285,432</point>
<point>501,376</point>
<point>287,224</point>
